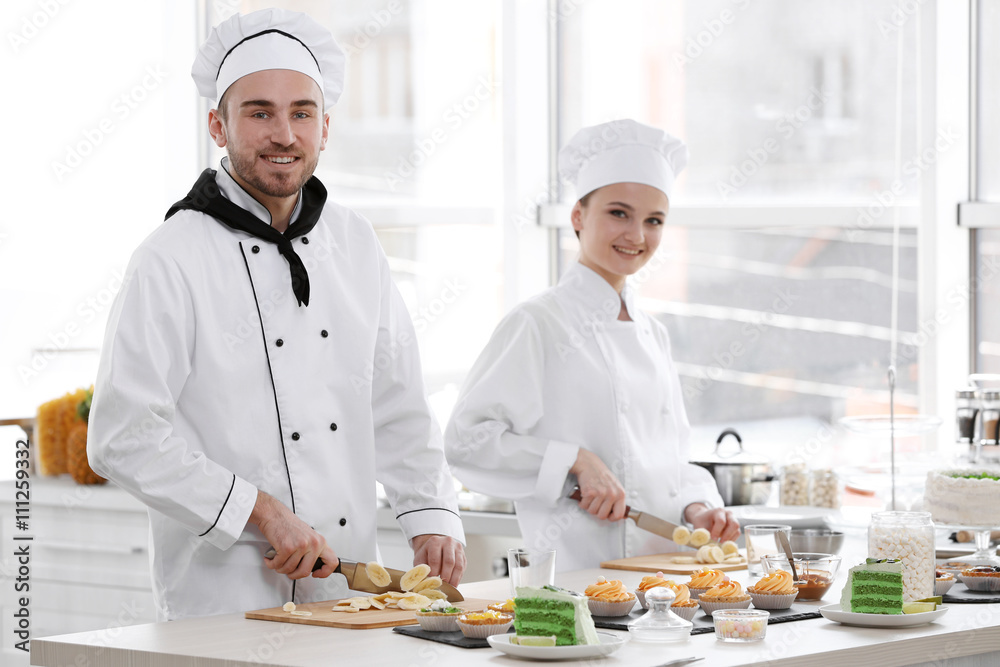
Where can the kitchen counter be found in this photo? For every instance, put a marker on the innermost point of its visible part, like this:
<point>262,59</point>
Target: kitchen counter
<point>965,635</point>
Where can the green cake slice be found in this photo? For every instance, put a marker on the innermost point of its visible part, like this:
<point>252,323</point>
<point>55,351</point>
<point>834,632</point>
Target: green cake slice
<point>555,611</point>
<point>874,587</point>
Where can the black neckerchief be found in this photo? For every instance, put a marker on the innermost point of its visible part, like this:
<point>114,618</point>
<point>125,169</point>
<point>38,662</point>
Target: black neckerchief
<point>206,197</point>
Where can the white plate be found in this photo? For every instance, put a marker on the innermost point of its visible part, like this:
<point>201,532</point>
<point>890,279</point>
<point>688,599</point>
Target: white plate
<point>796,516</point>
<point>609,644</point>
<point>833,612</point>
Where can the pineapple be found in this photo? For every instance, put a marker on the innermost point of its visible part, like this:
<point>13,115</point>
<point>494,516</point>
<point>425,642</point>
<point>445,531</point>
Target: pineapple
<point>76,444</point>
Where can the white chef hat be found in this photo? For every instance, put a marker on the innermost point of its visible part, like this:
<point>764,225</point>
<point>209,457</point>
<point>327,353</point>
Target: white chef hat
<point>269,39</point>
<point>622,151</point>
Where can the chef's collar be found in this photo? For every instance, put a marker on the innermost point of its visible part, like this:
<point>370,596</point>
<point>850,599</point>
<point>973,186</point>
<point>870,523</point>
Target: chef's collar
<point>598,292</point>
<point>235,193</point>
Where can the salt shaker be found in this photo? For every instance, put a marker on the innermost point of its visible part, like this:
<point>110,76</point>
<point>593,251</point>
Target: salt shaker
<point>908,536</point>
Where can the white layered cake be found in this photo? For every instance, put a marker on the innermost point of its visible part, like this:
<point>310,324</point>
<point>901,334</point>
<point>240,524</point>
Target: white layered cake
<point>969,497</point>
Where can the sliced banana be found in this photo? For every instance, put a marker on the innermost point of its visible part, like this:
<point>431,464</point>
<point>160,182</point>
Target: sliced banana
<point>683,560</point>
<point>414,576</point>
<point>288,606</point>
<point>681,535</point>
<point>434,594</point>
<point>378,574</point>
<point>729,548</point>
<point>413,603</point>
<point>700,537</point>
<point>429,582</point>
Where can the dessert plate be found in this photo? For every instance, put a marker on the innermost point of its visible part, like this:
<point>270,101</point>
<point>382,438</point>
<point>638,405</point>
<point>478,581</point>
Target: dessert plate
<point>609,644</point>
<point>833,612</point>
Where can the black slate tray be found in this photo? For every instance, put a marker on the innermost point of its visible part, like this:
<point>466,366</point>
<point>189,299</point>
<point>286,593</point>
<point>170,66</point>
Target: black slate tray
<point>960,594</point>
<point>704,623</point>
<point>450,638</point>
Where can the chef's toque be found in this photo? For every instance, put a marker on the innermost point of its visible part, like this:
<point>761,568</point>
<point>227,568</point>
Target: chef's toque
<point>264,40</point>
<point>622,151</point>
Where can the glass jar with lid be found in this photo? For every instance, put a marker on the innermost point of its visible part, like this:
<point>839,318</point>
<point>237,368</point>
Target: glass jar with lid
<point>989,421</point>
<point>908,536</point>
<point>966,411</point>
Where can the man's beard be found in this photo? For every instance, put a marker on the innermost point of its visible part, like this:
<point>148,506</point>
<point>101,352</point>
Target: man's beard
<point>274,185</point>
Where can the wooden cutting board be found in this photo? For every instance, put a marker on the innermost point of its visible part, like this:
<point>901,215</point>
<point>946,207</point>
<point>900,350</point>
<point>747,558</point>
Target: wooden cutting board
<point>323,614</point>
<point>661,563</point>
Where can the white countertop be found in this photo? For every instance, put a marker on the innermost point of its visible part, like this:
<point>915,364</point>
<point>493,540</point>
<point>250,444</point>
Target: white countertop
<point>965,630</point>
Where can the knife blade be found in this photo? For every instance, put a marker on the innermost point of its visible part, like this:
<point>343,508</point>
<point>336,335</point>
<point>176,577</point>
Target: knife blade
<point>643,520</point>
<point>358,580</point>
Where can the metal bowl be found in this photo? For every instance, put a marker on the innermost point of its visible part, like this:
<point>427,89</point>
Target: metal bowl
<point>816,540</point>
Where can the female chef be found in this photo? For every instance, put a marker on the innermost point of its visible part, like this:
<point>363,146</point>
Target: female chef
<point>577,386</point>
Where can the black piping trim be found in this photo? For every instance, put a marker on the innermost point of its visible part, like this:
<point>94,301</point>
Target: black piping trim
<point>222,509</point>
<point>274,390</point>
<point>264,32</point>
<point>425,509</point>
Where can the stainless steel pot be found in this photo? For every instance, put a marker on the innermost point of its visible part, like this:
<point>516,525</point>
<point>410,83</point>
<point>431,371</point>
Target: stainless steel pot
<point>742,478</point>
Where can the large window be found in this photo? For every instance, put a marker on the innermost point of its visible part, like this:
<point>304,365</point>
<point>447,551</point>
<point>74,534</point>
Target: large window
<point>777,282</point>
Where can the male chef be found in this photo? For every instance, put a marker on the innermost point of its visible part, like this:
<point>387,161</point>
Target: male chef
<point>260,370</point>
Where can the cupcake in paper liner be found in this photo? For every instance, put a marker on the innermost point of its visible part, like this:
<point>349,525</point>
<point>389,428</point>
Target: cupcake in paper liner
<point>440,616</point>
<point>727,595</point>
<point>774,591</point>
<point>686,610</point>
<point>482,624</point>
<point>703,580</point>
<point>609,598</point>
<point>648,582</point>
<point>985,578</point>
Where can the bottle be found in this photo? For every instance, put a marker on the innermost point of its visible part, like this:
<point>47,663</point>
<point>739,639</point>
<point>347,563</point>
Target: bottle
<point>824,491</point>
<point>989,417</point>
<point>966,410</point>
<point>908,536</point>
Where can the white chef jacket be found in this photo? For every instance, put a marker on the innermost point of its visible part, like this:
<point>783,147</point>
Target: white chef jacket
<point>562,372</point>
<point>214,383</point>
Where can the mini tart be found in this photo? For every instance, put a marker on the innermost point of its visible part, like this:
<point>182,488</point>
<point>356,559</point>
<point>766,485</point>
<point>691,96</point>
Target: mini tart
<point>984,578</point>
<point>609,598</point>
<point>506,607</point>
<point>438,621</point>
<point>482,624</point>
<point>943,581</point>
<point>727,595</point>
<point>774,591</point>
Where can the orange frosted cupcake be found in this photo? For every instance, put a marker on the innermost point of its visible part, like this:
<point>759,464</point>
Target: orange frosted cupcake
<point>775,591</point>
<point>609,598</point>
<point>648,582</point>
<point>682,605</point>
<point>703,580</point>
<point>727,595</point>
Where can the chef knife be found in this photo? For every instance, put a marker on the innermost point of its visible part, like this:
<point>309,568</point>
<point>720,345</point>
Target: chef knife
<point>357,578</point>
<point>644,520</point>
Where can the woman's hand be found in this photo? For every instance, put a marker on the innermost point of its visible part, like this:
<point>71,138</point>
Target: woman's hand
<point>602,494</point>
<point>720,522</point>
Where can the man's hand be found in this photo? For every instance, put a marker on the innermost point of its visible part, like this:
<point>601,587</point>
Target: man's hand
<point>720,522</point>
<point>602,493</point>
<point>297,545</point>
<point>444,554</point>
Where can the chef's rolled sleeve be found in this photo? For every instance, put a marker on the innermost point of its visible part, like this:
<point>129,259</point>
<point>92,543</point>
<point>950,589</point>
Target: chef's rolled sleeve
<point>698,486</point>
<point>431,521</point>
<point>553,475</point>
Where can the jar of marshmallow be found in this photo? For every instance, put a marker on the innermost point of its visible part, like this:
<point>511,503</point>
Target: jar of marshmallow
<point>794,485</point>
<point>908,536</point>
